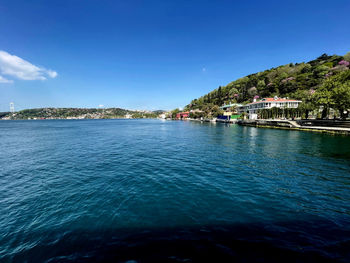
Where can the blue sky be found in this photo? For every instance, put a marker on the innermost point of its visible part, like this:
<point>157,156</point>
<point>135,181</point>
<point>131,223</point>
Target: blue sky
<point>153,54</point>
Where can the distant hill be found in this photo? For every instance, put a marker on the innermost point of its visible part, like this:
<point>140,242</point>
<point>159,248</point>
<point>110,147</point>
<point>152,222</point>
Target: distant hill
<point>291,80</point>
<point>79,113</point>
<point>2,114</point>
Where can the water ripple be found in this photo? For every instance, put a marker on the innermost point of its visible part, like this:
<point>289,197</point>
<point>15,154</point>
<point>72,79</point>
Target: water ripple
<point>59,178</point>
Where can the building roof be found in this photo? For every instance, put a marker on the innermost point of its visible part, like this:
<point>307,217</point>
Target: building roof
<point>274,100</point>
<point>231,105</point>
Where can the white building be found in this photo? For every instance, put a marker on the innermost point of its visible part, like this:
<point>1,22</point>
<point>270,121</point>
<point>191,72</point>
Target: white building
<point>267,103</point>
<point>162,116</point>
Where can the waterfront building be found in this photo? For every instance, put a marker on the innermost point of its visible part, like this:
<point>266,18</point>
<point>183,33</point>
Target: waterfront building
<point>267,103</point>
<point>182,115</point>
<point>231,110</point>
<point>162,116</point>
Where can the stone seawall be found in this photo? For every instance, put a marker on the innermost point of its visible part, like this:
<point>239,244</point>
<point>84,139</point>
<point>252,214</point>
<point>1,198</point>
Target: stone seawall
<point>293,125</point>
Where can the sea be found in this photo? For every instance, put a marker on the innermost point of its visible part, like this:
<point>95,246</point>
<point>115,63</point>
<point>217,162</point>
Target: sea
<point>171,191</point>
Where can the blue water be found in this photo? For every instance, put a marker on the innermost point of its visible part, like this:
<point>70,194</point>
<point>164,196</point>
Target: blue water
<point>151,190</point>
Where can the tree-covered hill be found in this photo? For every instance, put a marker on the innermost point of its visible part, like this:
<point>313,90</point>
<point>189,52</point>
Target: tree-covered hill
<point>81,113</point>
<point>298,81</point>
<point>3,114</point>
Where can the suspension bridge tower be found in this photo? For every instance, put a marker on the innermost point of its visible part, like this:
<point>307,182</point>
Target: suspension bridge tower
<point>12,107</point>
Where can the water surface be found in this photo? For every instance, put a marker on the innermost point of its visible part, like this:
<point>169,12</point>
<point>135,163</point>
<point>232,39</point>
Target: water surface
<point>150,190</point>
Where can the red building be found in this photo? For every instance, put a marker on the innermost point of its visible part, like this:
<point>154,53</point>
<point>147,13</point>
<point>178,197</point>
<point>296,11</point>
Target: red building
<point>182,115</point>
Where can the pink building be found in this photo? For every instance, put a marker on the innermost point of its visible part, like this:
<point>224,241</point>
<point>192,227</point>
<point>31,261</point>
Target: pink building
<point>182,115</point>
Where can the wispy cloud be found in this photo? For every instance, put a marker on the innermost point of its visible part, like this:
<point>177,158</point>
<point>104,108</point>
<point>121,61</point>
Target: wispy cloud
<point>5,80</point>
<point>17,67</point>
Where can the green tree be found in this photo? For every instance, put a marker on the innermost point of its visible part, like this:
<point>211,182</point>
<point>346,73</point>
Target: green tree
<point>232,93</point>
<point>341,97</point>
<point>215,111</point>
<point>321,71</point>
<point>347,56</point>
<point>174,112</point>
<point>219,96</point>
<point>334,93</point>
<point>307,98</point>
<point>323,97</point>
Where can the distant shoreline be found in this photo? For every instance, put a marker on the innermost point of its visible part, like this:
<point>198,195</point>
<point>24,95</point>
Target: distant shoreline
<point>76,119</point>
<point>79,113</point>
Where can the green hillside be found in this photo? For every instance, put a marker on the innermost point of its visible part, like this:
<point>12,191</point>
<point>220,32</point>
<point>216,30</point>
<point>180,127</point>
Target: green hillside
<point>81,113</point>
<point>309,82</point>
<point>3,114</point>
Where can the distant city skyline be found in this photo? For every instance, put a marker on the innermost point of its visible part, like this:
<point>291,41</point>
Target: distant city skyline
<point>155,54</point>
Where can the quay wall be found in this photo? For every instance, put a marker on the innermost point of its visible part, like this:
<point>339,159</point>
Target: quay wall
<point>297,125</point>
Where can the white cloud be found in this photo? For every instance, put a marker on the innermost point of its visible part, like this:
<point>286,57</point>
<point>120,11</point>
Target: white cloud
<point>52,74</point>
<point>5,80</point>
<point>14,66</point>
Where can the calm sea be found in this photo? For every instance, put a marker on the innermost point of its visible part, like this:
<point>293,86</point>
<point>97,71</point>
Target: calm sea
<point>171,191</point>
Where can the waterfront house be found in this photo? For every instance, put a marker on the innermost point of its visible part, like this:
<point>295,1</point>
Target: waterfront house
<point>162,115</point>
<point>182,115</point>
<point>231,110</point>
<point>267,103</point>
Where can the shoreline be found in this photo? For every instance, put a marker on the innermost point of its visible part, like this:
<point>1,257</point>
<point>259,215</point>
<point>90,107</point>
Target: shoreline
<point>76,119</point>
<point>292,125</point>
<point>283,125</point>
<point>260,123</point>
